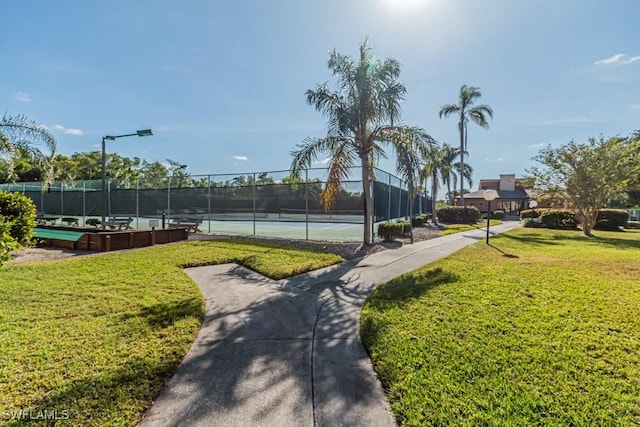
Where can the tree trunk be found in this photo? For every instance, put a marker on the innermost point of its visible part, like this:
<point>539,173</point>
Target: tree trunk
<point>368,208</point>
<point>434,189</point>
<point>588,222</point>
<point>461,124</point>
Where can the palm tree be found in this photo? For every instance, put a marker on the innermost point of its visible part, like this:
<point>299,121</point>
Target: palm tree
<point>18,135</point>
<point>464,110</point>
<point>438,168</point>
<point>361,113</point>
<point>464,170</point>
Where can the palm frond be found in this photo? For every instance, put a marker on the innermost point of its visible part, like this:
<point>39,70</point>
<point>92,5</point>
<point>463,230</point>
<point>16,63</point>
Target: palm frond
<point>339,165</point>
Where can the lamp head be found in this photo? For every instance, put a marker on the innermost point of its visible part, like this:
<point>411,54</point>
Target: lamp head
<point>144,132</point>
<point>533,204</point>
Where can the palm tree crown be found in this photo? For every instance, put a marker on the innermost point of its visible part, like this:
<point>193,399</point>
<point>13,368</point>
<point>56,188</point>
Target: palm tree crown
<point>465,111</point>
<point>18,135</point>
<point>360,112</point>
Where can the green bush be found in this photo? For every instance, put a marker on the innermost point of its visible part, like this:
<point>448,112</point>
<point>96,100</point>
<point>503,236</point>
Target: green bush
<point>459,214</point>
<point>531,223</point>
<point>633,224</point>
<point>530,213</point>
<point>611,219</point>
<point>7,242</point>
<point>19,213</point>
<point>419,220</point>
<point>499,214</point>
<point>389,230</point>
<point>559,219</point>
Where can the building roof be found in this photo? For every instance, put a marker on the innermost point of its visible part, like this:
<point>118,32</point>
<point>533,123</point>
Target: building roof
<point>502,194</point>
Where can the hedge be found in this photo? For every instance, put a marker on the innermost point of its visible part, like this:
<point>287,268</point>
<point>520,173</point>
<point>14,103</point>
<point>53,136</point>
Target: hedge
<point>459,214</point>
<point>530,213</point>
<point>560,219</point>
<point>389,230</point>
<point>419,220</point>
<point>611,219</point>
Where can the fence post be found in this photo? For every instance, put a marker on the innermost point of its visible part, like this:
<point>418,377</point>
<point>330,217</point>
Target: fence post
<point>254,203</point>
<point>389,205</point>
<point>209,201</point>
<point>84,203</point>
<point>306,202</point>
<point>137,203</point>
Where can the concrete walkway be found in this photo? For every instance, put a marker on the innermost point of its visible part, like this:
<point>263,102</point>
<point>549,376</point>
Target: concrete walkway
<point>288,353</point>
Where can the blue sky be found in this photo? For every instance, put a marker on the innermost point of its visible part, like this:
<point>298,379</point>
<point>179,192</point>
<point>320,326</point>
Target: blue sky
<point>222,83</point>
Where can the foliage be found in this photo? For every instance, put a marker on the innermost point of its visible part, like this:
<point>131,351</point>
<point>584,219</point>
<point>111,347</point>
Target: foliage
<point>419,220</point>
<point>361,112</point>
<point>633,225</point>
<point>465,111</point>
<point>20,136</point>
<point>459,214</point>
<point>529,213</point>
<point>19,214</point>
<point>589,173</point>
<point>544,336</point>
<point>7,243</point>
<point>497,214</point>
<point>100,336</point>
<point>389,230</point>
<point>611,219</point>
<point>531,222</point>
<point>559,219</point>
<point>439,168</point>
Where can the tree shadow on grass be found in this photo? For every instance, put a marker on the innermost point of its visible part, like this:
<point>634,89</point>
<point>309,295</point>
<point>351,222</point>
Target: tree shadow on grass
<point>166,314</point>
<point>106,398</point>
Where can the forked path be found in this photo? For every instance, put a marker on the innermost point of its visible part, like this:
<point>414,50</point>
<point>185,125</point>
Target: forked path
<point>288,353</point>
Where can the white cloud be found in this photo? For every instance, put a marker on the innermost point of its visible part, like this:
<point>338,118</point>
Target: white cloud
<point>69,131</point>
<point>635,106</point>
<point>539,145</point>
<point>243,158</point>
<point>323,161</point>
<point>497,159</point>
<point>23,97</point>
<point>618,58</point>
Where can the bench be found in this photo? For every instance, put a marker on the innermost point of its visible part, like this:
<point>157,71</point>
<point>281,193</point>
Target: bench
<point>190,222</point>
<point>122,222</point>
<point>41,218</point>
<point>70,220</point>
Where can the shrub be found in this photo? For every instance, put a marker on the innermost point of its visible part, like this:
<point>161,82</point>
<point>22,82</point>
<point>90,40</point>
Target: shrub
<point>19,214</point>
<point>389,230</point>
<point>611,219</point>
<point>459,214</point>
<point>7,242</point>
<point>499,214</point>
<point>633,224</point>
<point>531,223</point>
<point>529,213</point>
<point>559,219</point>
<point>419,220</point>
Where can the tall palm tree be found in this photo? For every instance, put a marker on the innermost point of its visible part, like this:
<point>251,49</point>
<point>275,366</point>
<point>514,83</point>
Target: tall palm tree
<point>18,135</point>
<point>465,110</point>
<point>361,112</point>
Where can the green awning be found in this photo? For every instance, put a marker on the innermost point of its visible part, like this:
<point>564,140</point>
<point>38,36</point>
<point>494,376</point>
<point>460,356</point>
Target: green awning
<point>50,233</point>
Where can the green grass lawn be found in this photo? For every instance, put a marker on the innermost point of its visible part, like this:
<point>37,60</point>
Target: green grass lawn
<point>457,228</point>
<point>540,328</point>
<point>99,336</point>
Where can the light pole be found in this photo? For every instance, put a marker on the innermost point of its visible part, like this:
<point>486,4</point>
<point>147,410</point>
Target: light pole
<point>144,132</point>
<point>489,195</point>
